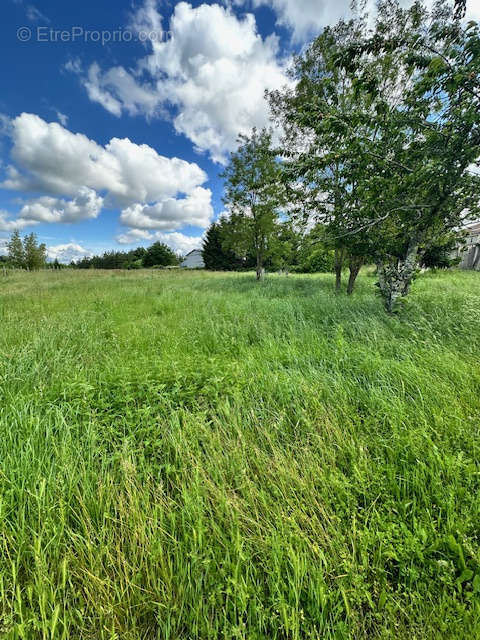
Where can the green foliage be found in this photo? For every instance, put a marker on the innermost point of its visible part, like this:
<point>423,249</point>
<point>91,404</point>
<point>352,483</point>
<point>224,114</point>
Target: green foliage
<point>26,254</point>
<point>159,255</point>
<point>382,130</point>
<point>319,260</point>
<point>233,461</point>
<point>35,255</point>
<point>315,253</point>
<point>254,195</point>
<point>215,255</point>
<point>438,254</point>
<point>16,251</point>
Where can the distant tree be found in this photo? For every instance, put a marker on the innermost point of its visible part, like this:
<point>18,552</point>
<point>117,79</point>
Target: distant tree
<point>35,255</point>
<point>16,252</point>
<point>254,195</point>
<point>215,255</point>
<point>160,255</point>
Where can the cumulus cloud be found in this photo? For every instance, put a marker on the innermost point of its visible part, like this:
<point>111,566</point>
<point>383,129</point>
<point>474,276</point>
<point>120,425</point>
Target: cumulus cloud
<point>179,242</point>
<point>195,210</point>
<point>213,71</point>
<point>53,159</point>
<point>117,90</point>
<point>49,159</point>
<point>65,253</point>
<point>133,236</point>
<point>9,224</point>
<point>86,205</point>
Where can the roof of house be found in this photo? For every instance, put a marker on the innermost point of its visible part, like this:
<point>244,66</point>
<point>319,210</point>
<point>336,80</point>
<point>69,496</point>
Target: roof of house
<point>194,251</point>
<point>474,228</point>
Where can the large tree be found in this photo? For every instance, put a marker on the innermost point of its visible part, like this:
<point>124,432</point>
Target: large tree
<point>322,167</point>
<point>254,197</point>
<point>390,130</point>
<point>421,184</point>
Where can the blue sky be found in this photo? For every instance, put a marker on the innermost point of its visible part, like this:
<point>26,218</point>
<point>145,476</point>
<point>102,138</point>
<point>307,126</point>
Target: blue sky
<point>118,143</point>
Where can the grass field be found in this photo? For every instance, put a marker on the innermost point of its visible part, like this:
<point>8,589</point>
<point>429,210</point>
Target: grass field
<point>192,455</point>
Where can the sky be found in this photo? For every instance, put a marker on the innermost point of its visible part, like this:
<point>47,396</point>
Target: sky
<point>116,118</point>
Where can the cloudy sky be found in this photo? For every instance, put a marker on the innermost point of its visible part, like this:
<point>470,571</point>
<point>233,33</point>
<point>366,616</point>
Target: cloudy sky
<point>116,118</point>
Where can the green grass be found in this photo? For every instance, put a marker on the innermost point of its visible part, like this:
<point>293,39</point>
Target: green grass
<point>191,455</point>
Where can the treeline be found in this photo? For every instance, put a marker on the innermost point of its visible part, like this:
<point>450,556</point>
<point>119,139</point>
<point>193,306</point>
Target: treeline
<point>157,255</point>
<point>379,144</point>
<point>27,253</point>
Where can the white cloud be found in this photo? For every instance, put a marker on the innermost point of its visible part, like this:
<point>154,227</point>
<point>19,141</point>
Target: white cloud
<point>195,210</point>
<point>65,253</point>
<point>5,125</point>
<point>117,90</point>
<point>49,159</point>
<point>62,118</point>
<point>133,236</point>
<point>86,205</point>
<point>306,18</point>
<point>213,71</point>
<point>55,160</point>
<point>74,65</point>
<point>179,242</point>
<point>8,225</point>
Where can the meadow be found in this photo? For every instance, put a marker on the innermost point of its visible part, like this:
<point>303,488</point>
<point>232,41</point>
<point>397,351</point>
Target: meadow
<point>194,455</point>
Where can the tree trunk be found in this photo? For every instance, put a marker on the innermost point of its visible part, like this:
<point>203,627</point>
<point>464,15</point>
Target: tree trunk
<point>260,269</point>
<point>395,277</point>
<point>339,258</point>
<point>355,264</point>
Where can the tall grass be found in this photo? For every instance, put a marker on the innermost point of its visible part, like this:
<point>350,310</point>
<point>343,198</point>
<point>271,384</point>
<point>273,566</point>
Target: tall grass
<point>192,456</point>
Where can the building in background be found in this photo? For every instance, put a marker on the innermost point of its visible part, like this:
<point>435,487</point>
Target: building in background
<point>470,252</point>
<point>193,260</point>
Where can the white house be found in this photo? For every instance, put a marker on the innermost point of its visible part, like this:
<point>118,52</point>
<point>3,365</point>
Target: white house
<point>470,253</point>
<point>193,260</point>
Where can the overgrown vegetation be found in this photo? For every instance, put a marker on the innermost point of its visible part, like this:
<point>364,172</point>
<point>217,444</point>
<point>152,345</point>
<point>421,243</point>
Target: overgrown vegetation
<point>192,455</point>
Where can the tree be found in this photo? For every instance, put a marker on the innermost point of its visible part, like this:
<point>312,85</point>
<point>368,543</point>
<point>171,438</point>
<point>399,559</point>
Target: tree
<point>35,255</point>
<point>254,196</point>
<point>322,167</point>
<point>215,255</point>
<point>421,185</point>
<point>388,158</point>
<point>16,252</point>
<point>159,255</point>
